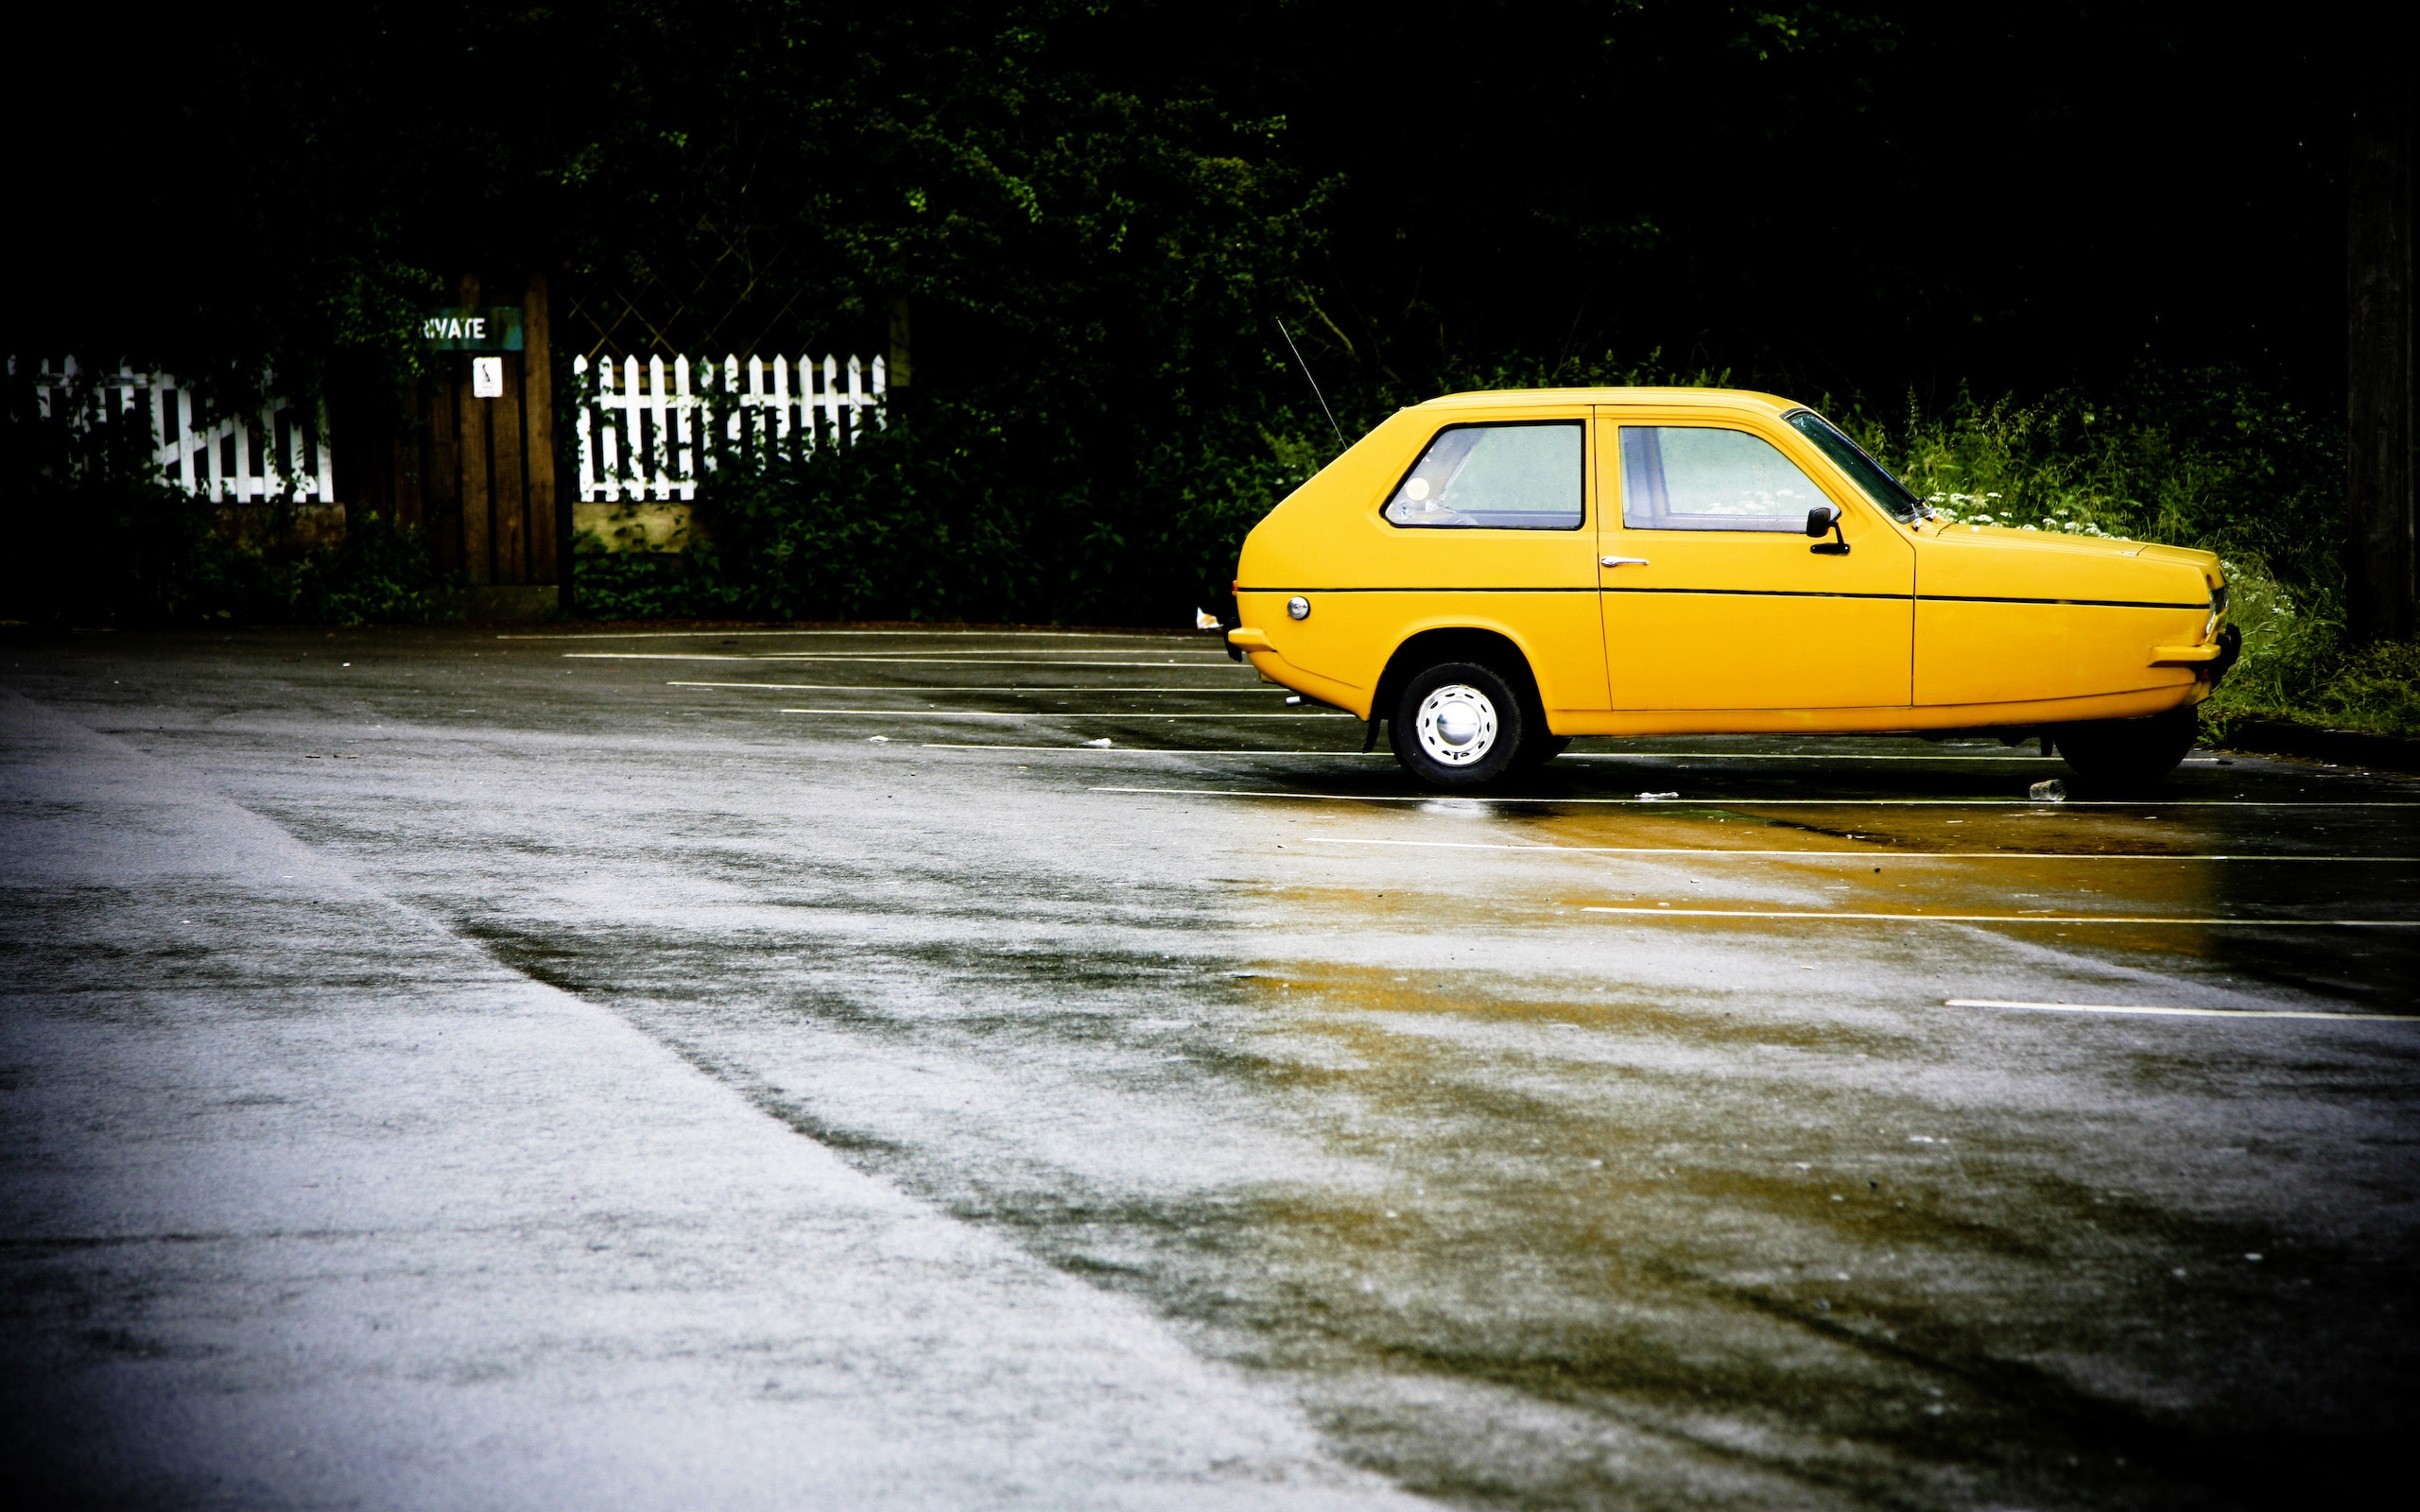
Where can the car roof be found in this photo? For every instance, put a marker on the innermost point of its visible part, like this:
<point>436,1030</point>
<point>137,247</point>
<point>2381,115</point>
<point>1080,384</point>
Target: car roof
<point>1684,398</point>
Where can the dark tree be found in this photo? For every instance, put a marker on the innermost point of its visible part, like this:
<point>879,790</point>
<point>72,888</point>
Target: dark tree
<point>2382,570</point>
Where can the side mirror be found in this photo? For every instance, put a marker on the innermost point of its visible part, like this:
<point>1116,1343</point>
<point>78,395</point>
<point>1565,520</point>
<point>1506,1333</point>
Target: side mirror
<point>1822,518</point>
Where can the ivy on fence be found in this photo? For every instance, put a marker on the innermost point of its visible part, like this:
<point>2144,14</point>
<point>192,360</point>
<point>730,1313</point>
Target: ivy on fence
<point>653,431</point>
<point>278,453</point>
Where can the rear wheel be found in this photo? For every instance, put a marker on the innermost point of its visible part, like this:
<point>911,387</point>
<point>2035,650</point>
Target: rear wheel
<point>2129,753</point>
<point>1459,725</point>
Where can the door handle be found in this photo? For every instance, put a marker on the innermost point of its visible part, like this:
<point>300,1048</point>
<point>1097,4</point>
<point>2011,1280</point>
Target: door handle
<point>1624,561</point>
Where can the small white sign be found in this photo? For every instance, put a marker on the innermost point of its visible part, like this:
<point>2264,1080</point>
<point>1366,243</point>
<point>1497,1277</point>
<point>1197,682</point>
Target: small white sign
<point>487,377</point>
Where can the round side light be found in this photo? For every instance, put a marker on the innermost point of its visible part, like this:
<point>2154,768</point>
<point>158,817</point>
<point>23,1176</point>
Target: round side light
<point>1298,608</point>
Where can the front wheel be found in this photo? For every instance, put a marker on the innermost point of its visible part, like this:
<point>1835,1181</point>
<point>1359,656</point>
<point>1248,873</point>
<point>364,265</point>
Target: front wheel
<point>1459,725</point>
<point>2130,752</point>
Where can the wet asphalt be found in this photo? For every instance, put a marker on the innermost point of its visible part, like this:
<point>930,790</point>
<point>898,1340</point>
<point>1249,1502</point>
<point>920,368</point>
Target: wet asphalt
<point>497,1067</point>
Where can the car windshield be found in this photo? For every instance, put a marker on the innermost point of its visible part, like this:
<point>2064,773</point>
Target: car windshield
<point>1867,474</point>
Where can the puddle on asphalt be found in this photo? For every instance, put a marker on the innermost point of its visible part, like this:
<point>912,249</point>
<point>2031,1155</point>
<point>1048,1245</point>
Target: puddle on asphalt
<point>1762,1241</point>
<point>2062,864</point>
<point>1516,1237</point>
<point>1811,1244</point>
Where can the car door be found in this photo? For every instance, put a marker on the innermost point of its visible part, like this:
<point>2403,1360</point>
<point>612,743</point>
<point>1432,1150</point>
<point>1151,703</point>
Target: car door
<point>1713,597</point>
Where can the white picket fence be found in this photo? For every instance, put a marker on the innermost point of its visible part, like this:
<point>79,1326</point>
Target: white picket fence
<point>242,457</point>
<point>652,432</point>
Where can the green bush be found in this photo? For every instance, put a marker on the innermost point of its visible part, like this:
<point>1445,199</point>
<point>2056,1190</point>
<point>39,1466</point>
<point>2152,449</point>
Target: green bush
<point>610,584</point>
<point>104,539</point>
<point>2377,689</point>
<point>2206,460</point>
<point>382,574</point>
<point>953,514</point>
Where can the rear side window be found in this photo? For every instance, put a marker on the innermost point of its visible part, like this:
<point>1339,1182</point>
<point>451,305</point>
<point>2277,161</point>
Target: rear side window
<point>1494,478</point>
<point>1693,477</point>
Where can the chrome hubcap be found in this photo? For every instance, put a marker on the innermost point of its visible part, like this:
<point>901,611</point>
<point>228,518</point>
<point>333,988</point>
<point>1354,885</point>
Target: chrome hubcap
<point>1457,725</point>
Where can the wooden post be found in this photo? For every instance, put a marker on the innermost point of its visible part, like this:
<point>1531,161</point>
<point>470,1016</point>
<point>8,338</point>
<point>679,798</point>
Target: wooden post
<point>444,478</point>
<point>2382,566</point>
<point>511,503</point>
<point>478,561</point>
<point>412,460</point>
<point>897,371</point>
<point>365,468</point>
<point>537,408</point>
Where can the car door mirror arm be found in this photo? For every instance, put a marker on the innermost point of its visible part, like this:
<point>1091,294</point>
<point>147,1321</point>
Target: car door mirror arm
<point>1820,519</point>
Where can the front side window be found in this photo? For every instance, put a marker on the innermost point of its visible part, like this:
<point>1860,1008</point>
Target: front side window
<point>1692,478</point>
<point>1494,478</point>
<point>1869,474</point>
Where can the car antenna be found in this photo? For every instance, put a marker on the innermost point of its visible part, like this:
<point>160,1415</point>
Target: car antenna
<point>1314,382</point>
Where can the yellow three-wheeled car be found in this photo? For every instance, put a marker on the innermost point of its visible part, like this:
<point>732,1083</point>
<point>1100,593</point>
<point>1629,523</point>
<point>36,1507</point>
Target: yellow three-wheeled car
<point>1493,574</point>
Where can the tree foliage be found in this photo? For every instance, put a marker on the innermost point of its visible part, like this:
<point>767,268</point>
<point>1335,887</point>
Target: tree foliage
<point>1100,211</point>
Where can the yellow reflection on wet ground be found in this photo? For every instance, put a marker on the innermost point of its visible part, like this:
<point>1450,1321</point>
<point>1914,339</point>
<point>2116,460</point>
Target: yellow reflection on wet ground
<point>1668,1237</point>
<point>2138,881</point>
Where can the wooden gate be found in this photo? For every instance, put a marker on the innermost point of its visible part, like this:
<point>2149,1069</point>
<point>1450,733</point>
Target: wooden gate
<point>479,472</point>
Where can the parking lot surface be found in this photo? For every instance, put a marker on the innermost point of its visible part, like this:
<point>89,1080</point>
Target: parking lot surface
<point>927,1067</point>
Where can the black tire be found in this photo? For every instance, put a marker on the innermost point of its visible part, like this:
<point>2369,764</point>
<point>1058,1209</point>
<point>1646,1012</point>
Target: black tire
<point>1432,752</point>
<point>2129,753</point>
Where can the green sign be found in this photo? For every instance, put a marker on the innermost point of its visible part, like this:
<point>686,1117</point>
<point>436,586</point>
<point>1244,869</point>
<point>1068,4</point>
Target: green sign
<point>498,330</point>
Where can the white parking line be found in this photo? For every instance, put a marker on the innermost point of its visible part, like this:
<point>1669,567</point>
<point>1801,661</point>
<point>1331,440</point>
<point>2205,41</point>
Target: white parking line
<point>2009,918</point>
<point>911,714</point>
<point>732,635</point>
<point>1811,756</point>
<point>1047,714</point>
<point>927,687</point>
<point>2180,1013</point>
<point>1850,855</point>
<point>1153,750</point>
<point>1256,688</point>
<point>880,661</point>
<point>1770,802</point>
<point>1209,659</point>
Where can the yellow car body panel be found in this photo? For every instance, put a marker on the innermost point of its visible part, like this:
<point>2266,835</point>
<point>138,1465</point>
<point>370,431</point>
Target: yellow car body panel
<point>2066,615</point>
<point>1918,625</point>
